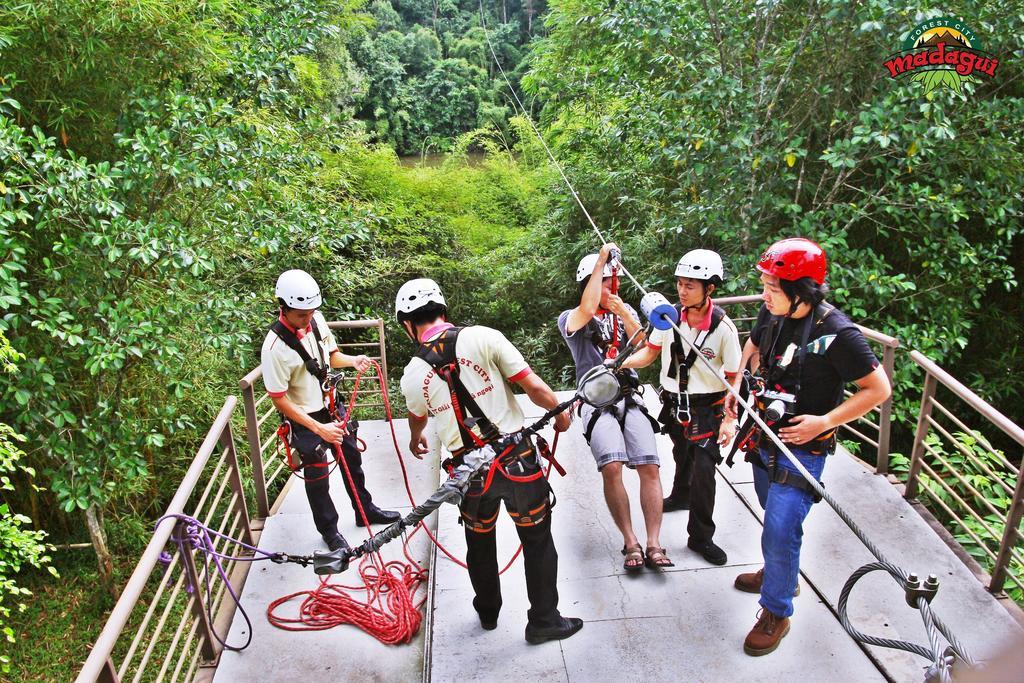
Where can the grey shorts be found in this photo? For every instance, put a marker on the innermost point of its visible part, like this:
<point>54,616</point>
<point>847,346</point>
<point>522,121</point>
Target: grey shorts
<point>634,445</point>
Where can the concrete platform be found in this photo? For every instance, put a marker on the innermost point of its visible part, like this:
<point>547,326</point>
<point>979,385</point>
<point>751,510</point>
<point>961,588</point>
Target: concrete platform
<point>687,623</point>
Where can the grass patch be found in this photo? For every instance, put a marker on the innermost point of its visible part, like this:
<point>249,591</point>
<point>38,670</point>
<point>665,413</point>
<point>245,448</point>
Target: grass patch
<point>64,617</point>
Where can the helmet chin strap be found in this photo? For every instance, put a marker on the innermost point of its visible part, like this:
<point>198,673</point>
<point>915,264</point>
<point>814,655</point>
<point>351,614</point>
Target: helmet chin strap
<point>410,331</point>
<point>698,306</point>
<point>793,306</point>
<point>703,301</point>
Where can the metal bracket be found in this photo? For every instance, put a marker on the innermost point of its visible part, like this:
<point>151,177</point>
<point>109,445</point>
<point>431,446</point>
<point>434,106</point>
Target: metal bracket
<point>915,589</point>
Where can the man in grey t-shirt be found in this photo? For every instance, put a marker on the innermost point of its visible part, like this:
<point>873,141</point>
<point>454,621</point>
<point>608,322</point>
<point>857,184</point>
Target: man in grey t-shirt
<point>621,434</point>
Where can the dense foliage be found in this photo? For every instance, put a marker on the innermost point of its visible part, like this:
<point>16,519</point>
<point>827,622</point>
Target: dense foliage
<point>426,71</point>
<point>730,127</point>
<point>20,545</point>
<point>982,483</point>
<point>143,220</point>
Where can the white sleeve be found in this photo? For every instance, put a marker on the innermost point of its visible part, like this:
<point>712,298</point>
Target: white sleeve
<point>275,373</point>
<point>414,401</point>
<point>660,338</point>
<point>507,357</point>
<point>730,352</point>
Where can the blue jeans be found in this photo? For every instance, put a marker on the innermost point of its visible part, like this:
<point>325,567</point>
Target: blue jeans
<point>785,508</point>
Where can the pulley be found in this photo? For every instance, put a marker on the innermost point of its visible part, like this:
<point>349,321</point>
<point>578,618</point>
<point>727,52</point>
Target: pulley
<point>659,311</point>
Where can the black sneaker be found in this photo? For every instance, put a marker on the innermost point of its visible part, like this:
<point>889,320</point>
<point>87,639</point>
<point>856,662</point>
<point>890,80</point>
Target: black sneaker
<point>671,504</point>
<point>377,516</point>
<point>335,542</point>
<point>541,634</point>
<point>488,624</point>
<point>709,551</point>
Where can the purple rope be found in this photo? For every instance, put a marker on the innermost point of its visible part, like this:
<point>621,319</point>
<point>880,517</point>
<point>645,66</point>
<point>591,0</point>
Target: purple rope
<point>200,538</point>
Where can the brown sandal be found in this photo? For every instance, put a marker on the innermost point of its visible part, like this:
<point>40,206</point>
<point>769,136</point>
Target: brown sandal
<point>657,559</point>
<point>633,554</point>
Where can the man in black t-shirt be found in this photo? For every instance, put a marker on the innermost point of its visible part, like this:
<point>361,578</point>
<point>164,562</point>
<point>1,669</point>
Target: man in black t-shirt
<point>805,351</point>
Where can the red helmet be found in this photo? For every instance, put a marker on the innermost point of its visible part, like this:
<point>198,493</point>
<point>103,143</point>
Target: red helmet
<point>794,258</point>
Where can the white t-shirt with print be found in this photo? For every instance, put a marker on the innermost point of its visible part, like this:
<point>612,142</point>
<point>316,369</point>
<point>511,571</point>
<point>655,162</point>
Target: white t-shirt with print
<point>487,359</point>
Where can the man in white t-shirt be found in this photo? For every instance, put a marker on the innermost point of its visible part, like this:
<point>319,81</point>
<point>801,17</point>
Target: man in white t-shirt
<point>693,396</point>
<point>461,377</point>
<point>297,353</point>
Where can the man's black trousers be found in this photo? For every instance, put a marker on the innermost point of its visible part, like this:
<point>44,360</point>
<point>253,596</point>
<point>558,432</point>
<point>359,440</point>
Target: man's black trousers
<point>315,451</point>
<point>694,481</point>
<point>528,505</point>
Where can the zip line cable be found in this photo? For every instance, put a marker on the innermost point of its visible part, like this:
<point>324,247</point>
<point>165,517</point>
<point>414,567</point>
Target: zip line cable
<point>932,622</point>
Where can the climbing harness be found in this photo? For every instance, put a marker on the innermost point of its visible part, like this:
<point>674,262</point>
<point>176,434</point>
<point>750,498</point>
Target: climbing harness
<point>681,364</point>
<point>602,387</point>
<point>439,354</point>
<point>319,368</point>
<point>389,611</point>
<point>663,316</point>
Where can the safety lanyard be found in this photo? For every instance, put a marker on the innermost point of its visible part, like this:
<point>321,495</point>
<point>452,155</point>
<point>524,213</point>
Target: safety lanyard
<point>612,352</point>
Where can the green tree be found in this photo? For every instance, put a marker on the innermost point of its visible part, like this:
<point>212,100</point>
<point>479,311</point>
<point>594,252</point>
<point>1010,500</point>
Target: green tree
<point>385,18</point>
<point>387,101</point>
<point>97,53</point>
<point>771,130</point>
<point>120,281</point>
<point>20,545</point>
<point>447,100</point>
<point>420,51</point>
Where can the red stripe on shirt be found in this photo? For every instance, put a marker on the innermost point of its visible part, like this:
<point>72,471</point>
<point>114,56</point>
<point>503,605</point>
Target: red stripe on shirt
<point>276,394</point>
<point>520,375</point>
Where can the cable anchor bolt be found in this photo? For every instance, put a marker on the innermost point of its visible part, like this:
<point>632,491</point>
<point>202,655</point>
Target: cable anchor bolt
<point>915,588</point>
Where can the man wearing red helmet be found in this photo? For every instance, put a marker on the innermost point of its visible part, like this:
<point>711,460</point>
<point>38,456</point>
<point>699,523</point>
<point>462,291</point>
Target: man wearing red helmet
<point>805,351</point>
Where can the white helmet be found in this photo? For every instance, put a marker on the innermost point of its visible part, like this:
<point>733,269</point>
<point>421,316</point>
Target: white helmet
<point>586,267</point>
<point>416,294</point>
<point>700,264</point>
<point>298,289</point>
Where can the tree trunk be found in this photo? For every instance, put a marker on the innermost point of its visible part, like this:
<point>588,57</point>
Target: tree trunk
<point>94,520</point>
<point>529,17</point>
<point>33,502</point>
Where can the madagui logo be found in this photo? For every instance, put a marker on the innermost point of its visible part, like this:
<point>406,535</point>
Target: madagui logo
<point>941,52</point>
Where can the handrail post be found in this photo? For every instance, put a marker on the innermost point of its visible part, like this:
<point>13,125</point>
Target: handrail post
<point>203,625</point>
<point>383,352</point>
<point>1009,539</point>
<point>885,414</point>
<point>917,454</point>
<point>252,435</point>
<point>227,440</point>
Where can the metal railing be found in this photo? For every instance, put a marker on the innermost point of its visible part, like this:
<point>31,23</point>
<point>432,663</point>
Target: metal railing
<point>163,607</point>
<point>951,487</point>
<point>881,429</point>
<point>261,425</point>
<point>163,601</point>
